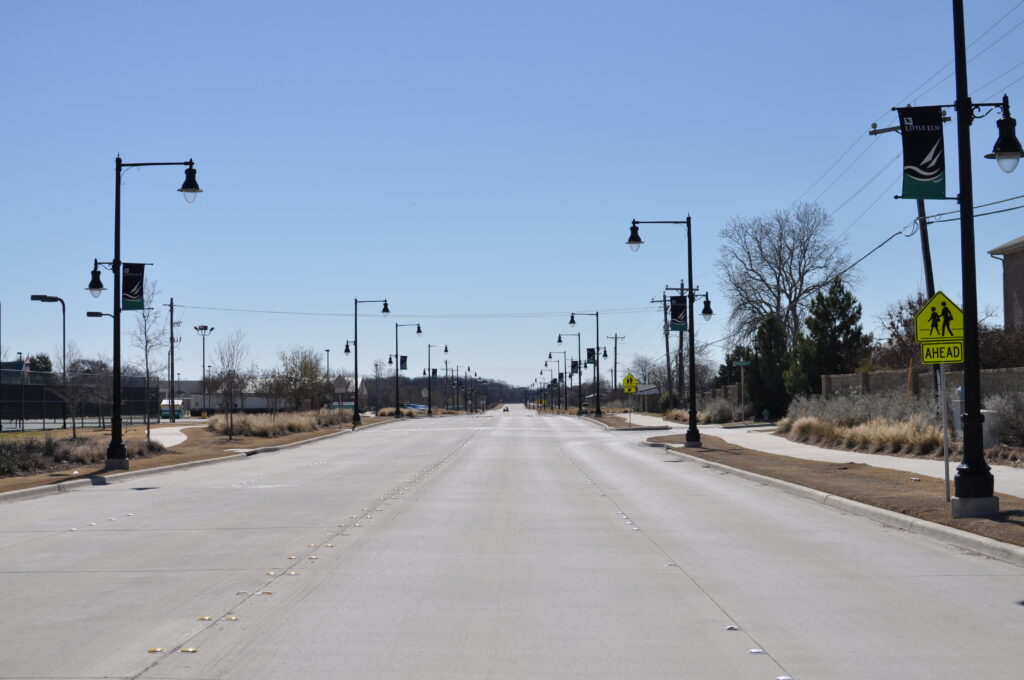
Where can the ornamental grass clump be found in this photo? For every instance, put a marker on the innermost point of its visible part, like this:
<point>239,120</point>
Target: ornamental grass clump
<point>276,425</point>
<point>21,455</point>
<point>885,423</point>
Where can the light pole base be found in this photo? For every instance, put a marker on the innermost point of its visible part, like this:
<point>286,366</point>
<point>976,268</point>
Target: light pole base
<point>116,464</point>
<point>975,507</point>
<point>695,444</point>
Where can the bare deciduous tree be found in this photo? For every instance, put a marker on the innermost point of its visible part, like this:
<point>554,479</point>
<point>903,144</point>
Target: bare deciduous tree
<point>775,264</point>
<point>231,377</point>
<point>149,336</point>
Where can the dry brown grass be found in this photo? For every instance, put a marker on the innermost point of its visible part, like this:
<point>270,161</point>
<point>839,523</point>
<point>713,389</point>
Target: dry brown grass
<point>276,425</point>
<point>914,436</point>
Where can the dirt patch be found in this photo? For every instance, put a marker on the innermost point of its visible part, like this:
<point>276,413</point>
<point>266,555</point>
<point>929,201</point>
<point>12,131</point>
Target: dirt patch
<point>903,492</point>
<point>201,444</point>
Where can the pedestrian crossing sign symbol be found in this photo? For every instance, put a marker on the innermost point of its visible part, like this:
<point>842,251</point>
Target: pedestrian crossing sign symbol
<point>629,384</point>
<point>940,321</point>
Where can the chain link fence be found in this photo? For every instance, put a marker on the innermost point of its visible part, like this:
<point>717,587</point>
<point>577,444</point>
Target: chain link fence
<point>35,400</point>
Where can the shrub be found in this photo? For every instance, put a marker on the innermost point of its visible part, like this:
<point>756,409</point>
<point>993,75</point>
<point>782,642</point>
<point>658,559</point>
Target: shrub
<point>1010,407</point>
<point>716,411</point>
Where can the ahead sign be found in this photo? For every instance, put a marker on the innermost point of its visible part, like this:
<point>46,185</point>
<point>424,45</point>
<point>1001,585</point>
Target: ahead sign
<point>942,352</point>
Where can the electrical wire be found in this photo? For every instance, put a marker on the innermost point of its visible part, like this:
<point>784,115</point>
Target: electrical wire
<point>511,315</point>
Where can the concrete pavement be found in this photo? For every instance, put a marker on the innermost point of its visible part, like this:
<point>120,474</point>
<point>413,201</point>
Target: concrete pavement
<point>499,546</point>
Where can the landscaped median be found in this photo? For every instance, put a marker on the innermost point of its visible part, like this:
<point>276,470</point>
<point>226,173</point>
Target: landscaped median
<point>894,490</point>
<point>201,444</point>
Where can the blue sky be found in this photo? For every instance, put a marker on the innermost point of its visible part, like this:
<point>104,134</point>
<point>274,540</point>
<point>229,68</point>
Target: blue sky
<point>467,159</point>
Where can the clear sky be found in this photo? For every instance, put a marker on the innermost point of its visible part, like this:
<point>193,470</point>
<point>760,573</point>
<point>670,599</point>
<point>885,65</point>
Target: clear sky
<point>476,163</point>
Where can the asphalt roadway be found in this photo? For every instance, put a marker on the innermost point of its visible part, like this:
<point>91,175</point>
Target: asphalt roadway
<point>494,546</point>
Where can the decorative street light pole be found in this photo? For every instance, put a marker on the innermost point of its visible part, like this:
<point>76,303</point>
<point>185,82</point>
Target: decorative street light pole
<point>356,419</point>
<point>634,242</point>
<point>398,364</point>
<point>430,379</point>
<point>974,483</point>
<point>117,455</point>
<point>64,356</point>
<point>597,358</point>
<point>203,331</point>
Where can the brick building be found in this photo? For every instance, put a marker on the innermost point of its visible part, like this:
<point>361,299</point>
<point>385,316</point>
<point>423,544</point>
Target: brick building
<point>1012,256</point>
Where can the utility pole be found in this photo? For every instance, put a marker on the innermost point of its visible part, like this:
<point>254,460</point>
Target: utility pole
<point>615,358</point>
<point>668,354</point>
<point>170,377</point>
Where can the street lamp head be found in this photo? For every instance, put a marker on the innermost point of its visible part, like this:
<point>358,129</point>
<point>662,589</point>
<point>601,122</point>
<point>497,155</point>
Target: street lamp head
<point>604,354</point>
<point>424,373</point>
<point>559,338</point>
<point>347,350</point>
<point>389,360</point>
<point>706,312</point>
<point>190,188</point>
<point>94,315</point>
<point>549,355</point>
<point>634,242</point>
<point>385,311</point>
<point>46,298</point>
<point>95,285</point>
<point>572,320</point>
<point>418,330</point>
<point>201,328</point>
<point>446,349</point>
<point>1007,151</point>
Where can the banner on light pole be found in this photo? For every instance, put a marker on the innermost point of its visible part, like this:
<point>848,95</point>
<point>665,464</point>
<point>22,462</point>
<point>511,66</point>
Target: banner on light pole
<point>924,158</point>
<point>132,286</point>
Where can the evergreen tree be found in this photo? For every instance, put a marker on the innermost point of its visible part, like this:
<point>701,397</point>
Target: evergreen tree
<point>41,363</point>
<point>767,384</point>
<point>834,342</point>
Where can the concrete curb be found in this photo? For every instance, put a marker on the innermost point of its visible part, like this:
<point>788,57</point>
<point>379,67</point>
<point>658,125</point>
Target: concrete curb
<point>128,475</point>
<point>987,547</point>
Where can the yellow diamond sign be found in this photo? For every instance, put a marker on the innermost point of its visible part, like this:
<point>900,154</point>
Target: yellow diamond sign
<point>940,321</point>
<point>629,383</point>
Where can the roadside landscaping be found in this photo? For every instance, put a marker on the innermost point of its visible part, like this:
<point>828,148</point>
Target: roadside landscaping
<point>895,490</point>
<point>201,444</point>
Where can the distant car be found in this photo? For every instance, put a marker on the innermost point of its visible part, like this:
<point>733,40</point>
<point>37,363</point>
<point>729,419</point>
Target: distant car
<point>505,409</point>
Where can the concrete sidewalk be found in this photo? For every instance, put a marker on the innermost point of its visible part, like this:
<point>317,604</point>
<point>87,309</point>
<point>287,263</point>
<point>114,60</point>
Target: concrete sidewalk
<point>1009,480</point>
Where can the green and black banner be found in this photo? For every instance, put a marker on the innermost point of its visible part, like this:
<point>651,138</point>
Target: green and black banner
<point>132,286</point>
<point>924,160</point>
<point>677,313</point>
<point>402,363</point>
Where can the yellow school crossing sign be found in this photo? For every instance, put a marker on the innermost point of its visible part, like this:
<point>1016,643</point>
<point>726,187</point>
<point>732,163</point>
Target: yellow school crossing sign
<point>939,328</point>
<point>629,384</point>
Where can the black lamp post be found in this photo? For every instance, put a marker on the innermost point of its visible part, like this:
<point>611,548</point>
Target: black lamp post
<point>430,379</point>
<point>579,363</point>
<point>398,364</point>
<point>974,484</point>
<point>597,359</point>
<point>330,388</point>
<point>634,242</point>
<point>117,455</point>
<point>64,356</point>
<point>356,419</point>
<point>203,331</point>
